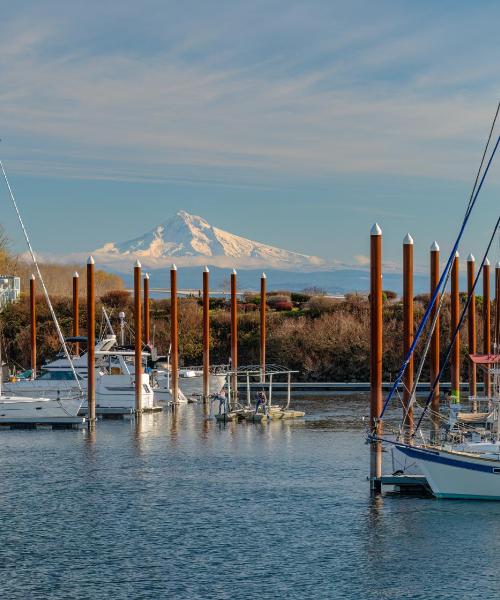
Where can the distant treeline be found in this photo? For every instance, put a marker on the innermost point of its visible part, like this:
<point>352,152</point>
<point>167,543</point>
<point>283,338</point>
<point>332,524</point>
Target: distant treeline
<point>325,339</point>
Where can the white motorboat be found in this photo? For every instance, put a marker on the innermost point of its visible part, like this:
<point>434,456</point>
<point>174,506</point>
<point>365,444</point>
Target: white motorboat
<point>115,379</point>
<point>190,384</point>
<point>18,409</point>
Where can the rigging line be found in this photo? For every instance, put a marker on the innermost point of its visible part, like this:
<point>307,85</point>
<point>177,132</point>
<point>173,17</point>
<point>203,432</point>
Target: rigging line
<point>457,329</point>
<point>437,312</point>
<point>45,292</point>
<point>444,276</point>
<point>496,338</point>
<point>484,154</point>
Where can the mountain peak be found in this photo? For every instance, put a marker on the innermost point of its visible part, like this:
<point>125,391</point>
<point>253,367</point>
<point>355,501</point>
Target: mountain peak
<point>192,238</point>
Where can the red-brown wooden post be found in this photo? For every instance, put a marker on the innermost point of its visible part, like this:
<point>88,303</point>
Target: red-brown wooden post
<point>138,337</point>
<point>435,340</point>
<point>33,326</point>
<point>147,325</point>
<point>486,323</point>
<point>174,335</point>
<point>263,311</point>
<point>91,414</point>
<point>234,337</point>
<point>455,316</point>
<point>206,335</point>
<point>76,311</point>
<point>408,333</point>
<point>471,327</point>
<point>375,354</point>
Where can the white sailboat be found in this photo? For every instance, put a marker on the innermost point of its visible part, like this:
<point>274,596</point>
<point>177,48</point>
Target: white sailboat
<point>468,470</point>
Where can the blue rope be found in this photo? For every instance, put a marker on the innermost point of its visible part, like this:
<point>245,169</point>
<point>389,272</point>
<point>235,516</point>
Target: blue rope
<point>427,313</point>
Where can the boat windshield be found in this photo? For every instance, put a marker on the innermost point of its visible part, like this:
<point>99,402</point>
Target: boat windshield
<point>58,376</point>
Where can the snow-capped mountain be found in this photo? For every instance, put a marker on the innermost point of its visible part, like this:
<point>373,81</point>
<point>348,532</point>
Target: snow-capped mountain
<point>191,240</point>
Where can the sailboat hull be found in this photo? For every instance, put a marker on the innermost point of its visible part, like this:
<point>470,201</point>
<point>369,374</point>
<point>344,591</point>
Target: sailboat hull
<point>456,474</point>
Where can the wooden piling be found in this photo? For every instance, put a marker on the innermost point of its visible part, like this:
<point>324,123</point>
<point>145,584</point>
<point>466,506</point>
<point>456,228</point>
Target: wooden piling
<point>435,339</point>
<point>263,311</point>
<point>206,335</point>
<point>76,311</point>
<point>234,336</point>
<point>455,316</point>
<point>91,343</point>
<point>33,326</point>
<point>375,354</point>
<point>486,323</point>
<point>174,335</point>
<point>408,333</point>
<point>496,338</point>
<point>471,326</point>
<point>138,337</point>
<point>147,326</point>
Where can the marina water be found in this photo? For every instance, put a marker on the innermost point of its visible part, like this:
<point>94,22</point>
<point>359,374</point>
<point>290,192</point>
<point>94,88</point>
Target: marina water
<point>175,507</point>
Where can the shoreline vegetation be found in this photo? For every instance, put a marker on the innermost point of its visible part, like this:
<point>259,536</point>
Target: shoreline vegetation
<point>325,339</point>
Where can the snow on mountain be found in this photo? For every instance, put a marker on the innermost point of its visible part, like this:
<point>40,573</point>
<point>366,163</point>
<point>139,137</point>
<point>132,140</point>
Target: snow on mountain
<point>191,240</point>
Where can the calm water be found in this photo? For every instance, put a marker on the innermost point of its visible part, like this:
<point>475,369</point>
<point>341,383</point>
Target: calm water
<point>180,508</point>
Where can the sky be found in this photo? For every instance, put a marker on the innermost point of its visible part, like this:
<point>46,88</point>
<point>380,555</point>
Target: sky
<point>296,124</point>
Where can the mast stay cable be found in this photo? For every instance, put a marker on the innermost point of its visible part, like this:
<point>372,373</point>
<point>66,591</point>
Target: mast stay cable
<point>442,279</point>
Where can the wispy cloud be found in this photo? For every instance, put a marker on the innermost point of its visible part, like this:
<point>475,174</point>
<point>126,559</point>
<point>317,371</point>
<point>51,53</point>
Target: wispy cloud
<point>189,105</point>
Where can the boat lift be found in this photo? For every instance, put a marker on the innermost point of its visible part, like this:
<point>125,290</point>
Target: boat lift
<point>237,405</point>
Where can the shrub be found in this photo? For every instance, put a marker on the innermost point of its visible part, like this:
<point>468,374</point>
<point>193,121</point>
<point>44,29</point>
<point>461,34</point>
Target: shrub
<point>390,295</point>
<point>116,299</point>
<point>283,305</point>
<point>273,300</point>
<point>300,297</point>
<point>319,305</point>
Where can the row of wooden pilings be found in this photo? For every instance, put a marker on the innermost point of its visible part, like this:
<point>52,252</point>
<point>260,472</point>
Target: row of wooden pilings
<point>143,325</point>
<point>376,335</point>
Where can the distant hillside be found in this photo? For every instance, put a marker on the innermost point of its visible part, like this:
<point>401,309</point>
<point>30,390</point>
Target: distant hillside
<point>335,281</point>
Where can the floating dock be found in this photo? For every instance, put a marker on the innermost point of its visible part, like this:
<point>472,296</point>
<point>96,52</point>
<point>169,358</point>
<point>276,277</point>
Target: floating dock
<point>405,484</point>
<point>121,412</point>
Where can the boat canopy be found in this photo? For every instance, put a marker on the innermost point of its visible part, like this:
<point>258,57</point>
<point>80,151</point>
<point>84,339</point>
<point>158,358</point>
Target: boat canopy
<point>485,359</point>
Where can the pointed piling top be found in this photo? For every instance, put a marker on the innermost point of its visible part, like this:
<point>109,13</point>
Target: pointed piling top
<point>435,246</point>
<point>75,275</point>
<point>486,262</point>
<point>263,276</point>
<point>146,276</point>
<point>375,230</point>
<point>471,258</point>
<point>137,264</point>
<point>32,277</point>
<point>457,255</point>
<point>90,260</point>
<point>174,267</point>
<point>408,240</point>
<point>206,269</point>
<point>234,272</point>
<point>497,266</point>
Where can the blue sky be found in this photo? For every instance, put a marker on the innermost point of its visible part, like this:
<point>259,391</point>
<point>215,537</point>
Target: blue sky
<point>296,124</point>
